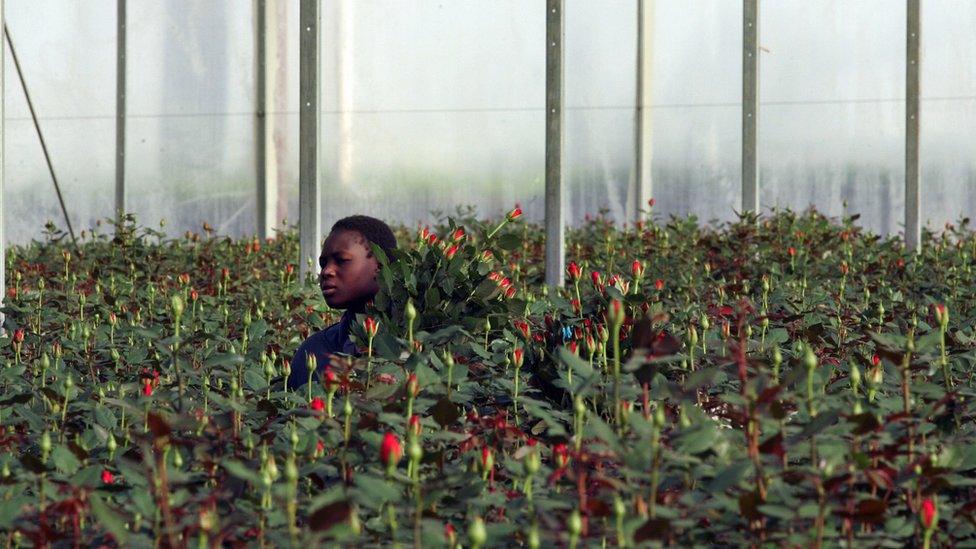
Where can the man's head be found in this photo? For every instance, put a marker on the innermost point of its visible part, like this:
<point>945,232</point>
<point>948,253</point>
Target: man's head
<point>347,266</point>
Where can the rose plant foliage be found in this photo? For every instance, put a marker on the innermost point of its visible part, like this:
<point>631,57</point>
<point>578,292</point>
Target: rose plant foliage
<point>787,380</point>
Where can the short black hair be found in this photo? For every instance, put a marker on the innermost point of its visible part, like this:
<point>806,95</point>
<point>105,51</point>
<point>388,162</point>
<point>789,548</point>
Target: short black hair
<point>372,229</point>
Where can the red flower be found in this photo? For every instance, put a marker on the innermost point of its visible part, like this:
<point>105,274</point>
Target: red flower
<point>651,202</point>
<point>317,404</point>
<point>331,379</point>
<point>637,269</point>
<point>510,292</point>
<point>518,357</point>
<point>928,513</point>
<point>184,278</point>
<point>514,214</point>
<point>107,477</point>
<point>792,251</point>
<point>414,425</point>
<point>19,335</point>
<point>413,386</point>
<point>875,359</point>
<point>225,273</point>
<point>487,460</point>
<point>11,292</point>
<point>450,534</point>
<point>575,273</point>
<point>574,347</point>
<point>391,450</point>
<point>523,327</point>
<point>458,235</point>
<point>560,454</point>
<point>487,255</point>
<point>371,326</point>
<point>595,277</point>
<point>452,251</point>
<point>194,295</point>
<point>659,284</point>
<point>147,389</point>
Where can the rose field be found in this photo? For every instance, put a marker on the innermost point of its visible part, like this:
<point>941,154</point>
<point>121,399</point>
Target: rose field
<point>789,380</point>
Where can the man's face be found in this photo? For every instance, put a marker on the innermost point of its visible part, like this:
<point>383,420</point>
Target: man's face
<point>348,270</point>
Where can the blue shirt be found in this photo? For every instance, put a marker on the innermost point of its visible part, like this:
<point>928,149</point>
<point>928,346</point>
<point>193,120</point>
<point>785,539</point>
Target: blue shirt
<point>322,344</point>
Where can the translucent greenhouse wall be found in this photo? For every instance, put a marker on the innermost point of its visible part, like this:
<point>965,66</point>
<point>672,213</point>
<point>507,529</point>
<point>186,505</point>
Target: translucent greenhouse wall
<point>428,105</point>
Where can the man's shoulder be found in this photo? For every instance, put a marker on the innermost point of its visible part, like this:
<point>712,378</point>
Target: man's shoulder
<point>327,339</point>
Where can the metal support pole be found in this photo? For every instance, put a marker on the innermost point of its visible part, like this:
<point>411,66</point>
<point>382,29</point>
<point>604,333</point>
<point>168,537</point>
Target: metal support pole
<point>120,81</point>
<point>3,160</point>
<point>750,105</point>
<point>555,245</point>
<point>266,186</point>
<point>645,60</point>
<point>309,143</point>
<point>913,84</point>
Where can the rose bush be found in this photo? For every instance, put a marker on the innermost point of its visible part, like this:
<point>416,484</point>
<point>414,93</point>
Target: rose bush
<point>790,380</point>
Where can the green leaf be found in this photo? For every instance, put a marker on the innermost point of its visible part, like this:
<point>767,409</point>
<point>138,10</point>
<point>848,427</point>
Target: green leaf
<point>509,241</point>
<point>728,477</point>
<point>108,518</point>
<point>64,461</point>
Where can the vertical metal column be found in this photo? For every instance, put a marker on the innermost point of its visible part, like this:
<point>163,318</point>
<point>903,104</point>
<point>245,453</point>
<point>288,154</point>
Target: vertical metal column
<point>266,184</point>
<point>645,51</point>
<point>3,160</point>
<point>750,105</point>
<point>309,144</point>
<point>120,81</point>
<point>913,84</point>
<point>555,245</point>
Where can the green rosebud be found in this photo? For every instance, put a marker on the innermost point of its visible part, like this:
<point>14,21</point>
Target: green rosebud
<point>855,377</point>
<point>110,444</point>
<point>809,358</point>
<point>477,532</point>
<point>659,417</point>
<point>176,304</point>
<point>414,450</point>
<point>532,461</point>
<point>291,470</point>
<point>45,444</point>
<point>410,311</point>
<point>574,523</point>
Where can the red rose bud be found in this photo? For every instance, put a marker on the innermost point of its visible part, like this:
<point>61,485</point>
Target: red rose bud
<point>184,278</point>
<point>876,359</point>
<point>107,477</point>
<point>414,425</point>
<point>487,458</point>
<point>495,276</point>
<point>930,514</point>
<point>331,379</point>
<point>560,454</point>
<point>225,273</point>
<point>317,404</point>
<point>505,283</point>
<point>431,239</point>
<point>523,327</point>
<point>518,357</point>
<point>510,292</point>
<point>595,277</point>
<point>147,389</point>
<point>487,255</point>
<point>452,251</point>
<point>458,235</point>
<point>575,273</point>
<point>319,447</point>
<point>371,326</point>
<point>19,335</point>
<point>194,295</point>
<point>391,450</point>
<point>637,269</point>
<point>616,312</point>
<point>413,386</point>
<point>577,306</point>
<point>659,284</point>
<point>792,251</point>
<point>574,347</point>
<point>942,315</point>
<point>514,214</point>
<point>450,534</point>
<point>289,269</point>
<point>651,202</point>
<point>613,280</point>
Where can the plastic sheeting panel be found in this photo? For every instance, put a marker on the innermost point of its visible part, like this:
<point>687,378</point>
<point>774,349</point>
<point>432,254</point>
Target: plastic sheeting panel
<point>67,53</point>
<point>191,114</point>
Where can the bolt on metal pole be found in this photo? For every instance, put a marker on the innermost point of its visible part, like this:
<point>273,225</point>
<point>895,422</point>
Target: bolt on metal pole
<point>120,81</point>
<point>645,50</point>
<point>750,105</point>
<point>555,229</point>
<point>309,142</point>
<point>913,84</point>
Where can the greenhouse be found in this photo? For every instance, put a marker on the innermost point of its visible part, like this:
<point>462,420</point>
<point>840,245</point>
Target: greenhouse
<point>488,273</point>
